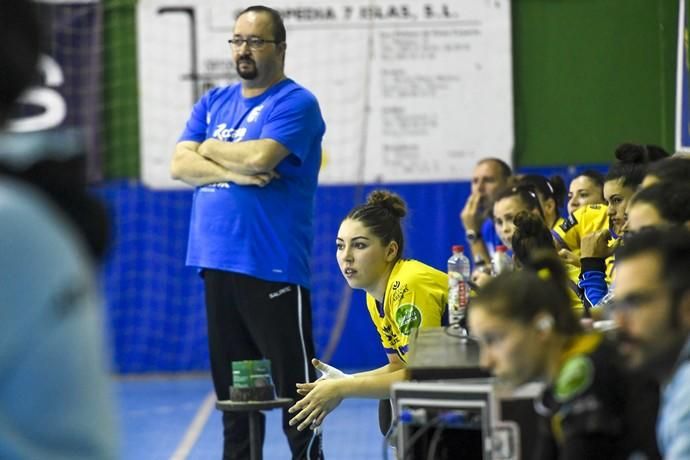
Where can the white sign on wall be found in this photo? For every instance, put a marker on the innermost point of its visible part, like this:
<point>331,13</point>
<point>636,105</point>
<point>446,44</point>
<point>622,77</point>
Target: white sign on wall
<point>413,91</point>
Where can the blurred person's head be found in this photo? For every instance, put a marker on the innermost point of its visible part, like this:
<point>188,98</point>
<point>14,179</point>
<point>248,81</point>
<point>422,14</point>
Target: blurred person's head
<point>19,51</point>
<point>370,241</point>
<point>551,194</point>
<point>625,176</point>
<point>531,235</point>
<point>508,202</point>
<point>523,319</point>
<point>660,204</point>
<point>586,188</point>
<point>489,175</point>
<point>672,169</point>
<point>652,297</point>
<point>53,161</point>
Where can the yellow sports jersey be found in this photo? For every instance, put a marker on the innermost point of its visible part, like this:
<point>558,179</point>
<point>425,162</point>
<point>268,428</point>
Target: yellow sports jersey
<point>585,220</point>
<point>416,297</point>
<point>573,273</point>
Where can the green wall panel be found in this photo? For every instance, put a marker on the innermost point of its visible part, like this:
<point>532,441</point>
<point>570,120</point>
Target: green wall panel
<point>590,74</point>
<point>120,98</point>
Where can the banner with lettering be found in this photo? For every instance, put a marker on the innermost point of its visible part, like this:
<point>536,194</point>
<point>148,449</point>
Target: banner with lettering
<point>413,91</point>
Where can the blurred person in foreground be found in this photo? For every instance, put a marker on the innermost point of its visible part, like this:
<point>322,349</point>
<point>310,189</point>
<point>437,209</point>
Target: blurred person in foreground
<point>252,150</point>
<point>55,399</point>
<point>652,309</point>
<point>590,407</point>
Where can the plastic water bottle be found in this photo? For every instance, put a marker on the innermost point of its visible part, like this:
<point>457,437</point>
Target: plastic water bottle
<point>501,261</point>
<point>458,287</point>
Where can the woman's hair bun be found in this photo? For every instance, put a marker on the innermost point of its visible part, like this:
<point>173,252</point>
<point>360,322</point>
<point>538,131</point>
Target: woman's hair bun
<point>639,153</point>
<point>388,200</point>
<point>528,223</point>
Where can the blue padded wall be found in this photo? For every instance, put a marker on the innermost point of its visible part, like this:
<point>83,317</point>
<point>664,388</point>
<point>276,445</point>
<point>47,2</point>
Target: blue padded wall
<point>154,304</point>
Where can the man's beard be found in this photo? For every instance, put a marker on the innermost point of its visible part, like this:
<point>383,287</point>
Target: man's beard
<point>249,73</point>
<point>657,362</point>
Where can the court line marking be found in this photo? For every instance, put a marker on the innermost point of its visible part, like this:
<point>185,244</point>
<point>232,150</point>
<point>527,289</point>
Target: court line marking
<point>195,428</point>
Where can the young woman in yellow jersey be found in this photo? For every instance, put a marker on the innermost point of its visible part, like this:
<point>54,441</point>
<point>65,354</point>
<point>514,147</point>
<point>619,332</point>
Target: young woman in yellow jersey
<point>585,188</point>
<point>402,295</point>
<point>620,183</point>
<point>508,202</point>
<point>590,234</point>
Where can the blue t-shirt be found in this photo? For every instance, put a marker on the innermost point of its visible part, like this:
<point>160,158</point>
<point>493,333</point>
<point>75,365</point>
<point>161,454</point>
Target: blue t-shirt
<point>262,232</point>
<point>489,236</point>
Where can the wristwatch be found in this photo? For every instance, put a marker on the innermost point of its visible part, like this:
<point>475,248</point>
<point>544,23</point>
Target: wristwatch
<point>472,236</point>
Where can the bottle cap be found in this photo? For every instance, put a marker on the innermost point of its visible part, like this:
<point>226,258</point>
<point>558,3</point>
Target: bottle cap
<point>501,248</point>
<point>457,248</point>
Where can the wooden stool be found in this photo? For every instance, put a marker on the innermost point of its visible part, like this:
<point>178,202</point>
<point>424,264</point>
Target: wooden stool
<point>253,408</point>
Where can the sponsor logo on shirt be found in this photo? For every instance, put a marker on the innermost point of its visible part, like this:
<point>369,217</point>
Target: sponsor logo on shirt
<point>576,376</point>
<point>215,185</point>
<point>399,291</point>
<point>391,337</point>
<point>568,223</point>
<point>254,114</point>
<point>408,317</point>
<point>223,133</point>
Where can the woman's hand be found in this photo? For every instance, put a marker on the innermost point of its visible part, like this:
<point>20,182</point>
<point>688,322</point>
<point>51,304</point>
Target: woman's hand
<point>481,275</point>
<point>327,371</point>
<point>596,244</point>
<point>321,397</point>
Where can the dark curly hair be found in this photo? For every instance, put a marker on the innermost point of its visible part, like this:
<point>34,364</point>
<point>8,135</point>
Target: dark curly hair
<point>541,287</point>
<point>531,234</point>
<point>549,188</point>
<point>632,163</point>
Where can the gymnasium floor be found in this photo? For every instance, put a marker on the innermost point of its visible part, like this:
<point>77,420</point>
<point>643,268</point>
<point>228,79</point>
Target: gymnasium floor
<point>163,418</point>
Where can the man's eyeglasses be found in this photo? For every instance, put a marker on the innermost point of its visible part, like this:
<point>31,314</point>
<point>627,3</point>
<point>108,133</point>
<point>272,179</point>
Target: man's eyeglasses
<point>254,43</point>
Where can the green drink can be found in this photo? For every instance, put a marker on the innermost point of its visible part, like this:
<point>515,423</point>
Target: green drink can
<point>241,374</point>
<point>261,373</point>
